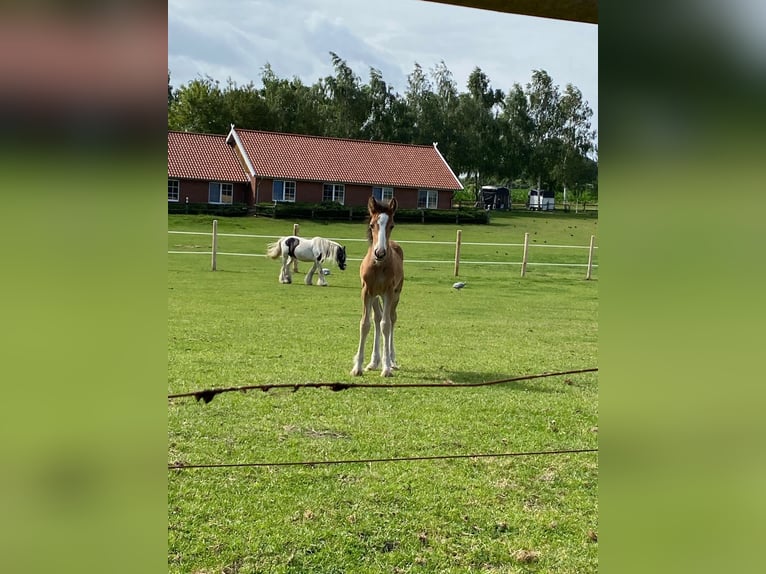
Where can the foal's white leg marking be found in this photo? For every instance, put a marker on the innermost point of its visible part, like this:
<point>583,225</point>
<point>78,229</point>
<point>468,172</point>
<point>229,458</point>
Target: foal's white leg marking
<point>375,356</point>
<point>364,329</point>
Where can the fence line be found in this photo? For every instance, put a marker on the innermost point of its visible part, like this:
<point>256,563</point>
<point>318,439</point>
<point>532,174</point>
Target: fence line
<point>178,465</point>
<point>408,261</point>
<point>340,239</point>
<point>458,242</point>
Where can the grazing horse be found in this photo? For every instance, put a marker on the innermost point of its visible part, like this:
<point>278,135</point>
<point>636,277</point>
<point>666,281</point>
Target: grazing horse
<point>318,250</point>
<point>382,275</point>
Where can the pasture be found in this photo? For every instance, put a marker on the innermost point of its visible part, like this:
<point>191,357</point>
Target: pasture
<point>239,326</point>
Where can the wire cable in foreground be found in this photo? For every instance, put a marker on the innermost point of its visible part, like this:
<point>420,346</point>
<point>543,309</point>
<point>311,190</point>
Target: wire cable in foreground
<point>182,465</point>
<point>208,395</point>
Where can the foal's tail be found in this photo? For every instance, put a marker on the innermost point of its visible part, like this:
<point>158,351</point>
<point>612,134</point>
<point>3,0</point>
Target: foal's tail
<point>274,250</point>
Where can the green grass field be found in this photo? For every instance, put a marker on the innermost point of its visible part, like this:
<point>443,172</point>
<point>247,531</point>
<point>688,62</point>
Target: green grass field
<point>240,326</point>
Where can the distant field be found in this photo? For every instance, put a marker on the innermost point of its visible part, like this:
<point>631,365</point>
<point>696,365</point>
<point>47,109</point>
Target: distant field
<point>239,326</point>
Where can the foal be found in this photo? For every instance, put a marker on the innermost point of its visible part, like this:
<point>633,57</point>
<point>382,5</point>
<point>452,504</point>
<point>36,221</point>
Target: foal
<point>382,275</point>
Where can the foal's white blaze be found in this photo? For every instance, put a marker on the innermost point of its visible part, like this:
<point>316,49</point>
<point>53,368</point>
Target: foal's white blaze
<point>380,247</point>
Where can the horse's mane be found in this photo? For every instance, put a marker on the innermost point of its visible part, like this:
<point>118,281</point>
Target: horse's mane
<point>328,248</point>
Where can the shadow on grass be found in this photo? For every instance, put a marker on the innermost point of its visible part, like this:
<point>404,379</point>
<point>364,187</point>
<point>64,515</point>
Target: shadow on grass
<point>474,378</point>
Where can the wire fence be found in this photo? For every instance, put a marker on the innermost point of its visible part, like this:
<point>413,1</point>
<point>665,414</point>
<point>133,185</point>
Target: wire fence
<point>525,261</point>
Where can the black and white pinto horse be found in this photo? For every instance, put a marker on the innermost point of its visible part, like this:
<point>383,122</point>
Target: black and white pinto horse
<point>317,250</point>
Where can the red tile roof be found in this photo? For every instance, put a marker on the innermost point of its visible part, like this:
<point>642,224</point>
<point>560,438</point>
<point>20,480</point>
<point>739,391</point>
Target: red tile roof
<point>203,156</point>
<point>312,158</point>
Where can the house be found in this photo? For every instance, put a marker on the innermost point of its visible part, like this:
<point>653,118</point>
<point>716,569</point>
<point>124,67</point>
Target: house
<point>258,167</point>
<point>203,169</point>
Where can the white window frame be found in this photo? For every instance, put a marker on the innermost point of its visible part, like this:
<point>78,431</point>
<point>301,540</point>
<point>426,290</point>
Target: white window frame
<point>337,192</point>
<point>225,191</point>
<point>288,191</point>
<point>383,193</point>
<point>431,199</point>
<point>174,183</point>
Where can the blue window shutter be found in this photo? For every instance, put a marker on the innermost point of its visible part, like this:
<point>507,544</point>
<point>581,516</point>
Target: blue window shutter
<point>214,192</point>
<point>277,190</point>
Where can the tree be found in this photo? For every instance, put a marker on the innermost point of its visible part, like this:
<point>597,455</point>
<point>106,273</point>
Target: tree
<point>346,104</point>
<point>381,123</point>
<point>197,108</point>
<point>481,135</point>
<point>171,97</point>
<point>292,106</point>
<point>422,107</point>
<point>515,132</point>
<point>577,139</point>
<point>447,130</point>
<point>244,106</point>
<point>560,133</point>
<point>543,101</point>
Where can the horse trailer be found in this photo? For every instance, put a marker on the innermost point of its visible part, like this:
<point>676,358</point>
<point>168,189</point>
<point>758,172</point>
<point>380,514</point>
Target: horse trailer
<point>540,200</point>
<point>494,197</point>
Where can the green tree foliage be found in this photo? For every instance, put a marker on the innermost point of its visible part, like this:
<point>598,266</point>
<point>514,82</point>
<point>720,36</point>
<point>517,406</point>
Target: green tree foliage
<point>346,105</point>
<point>560,135</point>
<point>198,107</point>
<point>515,126</point>
<point>290,106</point>
<point>537,133</point>
<point>171,96</point>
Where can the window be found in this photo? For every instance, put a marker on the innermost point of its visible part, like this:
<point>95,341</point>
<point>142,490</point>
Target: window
<point>283,190</point>
<point>173,189</point>
<point>383,193</point>
<point>220,192</point>
<point>334,192</point>
<point>427,198</point>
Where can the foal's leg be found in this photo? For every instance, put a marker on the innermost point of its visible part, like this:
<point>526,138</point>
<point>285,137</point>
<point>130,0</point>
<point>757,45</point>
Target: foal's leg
<point>393,324</point>
<point>375,356</point>
<point>364,329</point>
<point>386,327</point>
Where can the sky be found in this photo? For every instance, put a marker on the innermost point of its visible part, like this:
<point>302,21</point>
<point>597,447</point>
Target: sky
<point>236,38</point>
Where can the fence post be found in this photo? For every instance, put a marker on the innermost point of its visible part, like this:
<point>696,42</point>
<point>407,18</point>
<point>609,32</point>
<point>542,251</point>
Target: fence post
<point>524,257</point>
<point>590,257</point>
<point>215,244</point>
<point>457,250</point>
<point>296,231</point>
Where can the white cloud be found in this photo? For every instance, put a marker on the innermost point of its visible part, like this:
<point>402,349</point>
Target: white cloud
<point>236,38</point>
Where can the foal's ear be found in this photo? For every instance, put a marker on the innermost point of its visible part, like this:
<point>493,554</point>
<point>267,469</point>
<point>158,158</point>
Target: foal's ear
<point>392,205</point>
<point>372,205</point>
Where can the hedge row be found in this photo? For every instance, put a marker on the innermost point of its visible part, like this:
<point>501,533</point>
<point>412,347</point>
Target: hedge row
<point>233,210</point>
<point>337,212</point>
<point>330,212</point>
